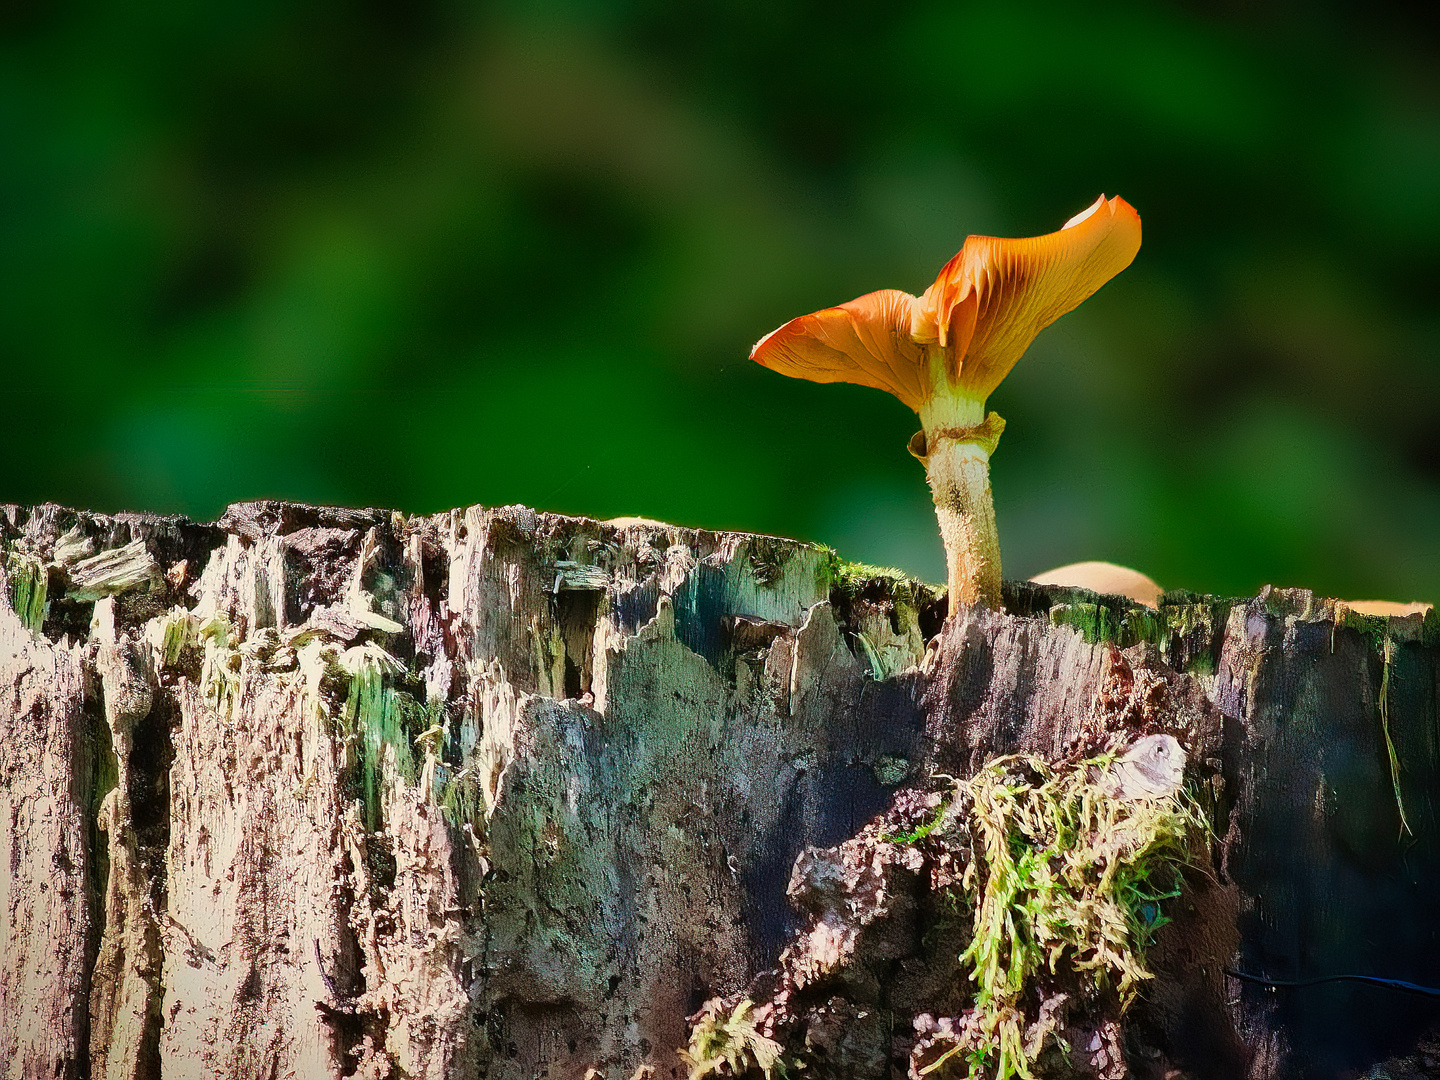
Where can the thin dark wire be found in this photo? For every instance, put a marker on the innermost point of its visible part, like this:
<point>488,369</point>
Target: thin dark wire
<point>1393,984</point>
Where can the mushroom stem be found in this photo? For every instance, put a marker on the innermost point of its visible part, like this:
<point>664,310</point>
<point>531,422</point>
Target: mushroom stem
<point>957,465</point>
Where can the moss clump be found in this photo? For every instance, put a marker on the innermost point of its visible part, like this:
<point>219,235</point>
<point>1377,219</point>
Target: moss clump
<point>1066,879</point>
<point>848,578</point>
<point>728,1043</point>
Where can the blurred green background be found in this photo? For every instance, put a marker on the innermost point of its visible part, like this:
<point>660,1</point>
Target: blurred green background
<point>423,254</point>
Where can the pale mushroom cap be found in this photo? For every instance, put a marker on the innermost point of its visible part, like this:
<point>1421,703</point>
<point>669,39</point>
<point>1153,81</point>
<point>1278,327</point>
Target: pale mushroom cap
<point>1387,607</point>
<point>1106,578</point>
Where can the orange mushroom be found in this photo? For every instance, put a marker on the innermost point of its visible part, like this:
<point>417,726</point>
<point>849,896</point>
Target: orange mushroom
<point>944,352</point>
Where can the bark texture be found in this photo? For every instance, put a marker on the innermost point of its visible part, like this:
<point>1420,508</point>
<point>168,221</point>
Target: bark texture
<point>312,792</point>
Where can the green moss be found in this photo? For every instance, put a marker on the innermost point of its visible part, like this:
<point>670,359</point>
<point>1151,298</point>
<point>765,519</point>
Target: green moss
<point>174,635</point>
<point>1187,614</point>
<point>1191,626</point>
<point>891,769</point>
<point>1201,663</point>
<point>850,577</point>
<point>1278,603</point>
<point>101,775</point>
<point>462,800</point>
<point>29,584</point>
<point>726,1042</point>
<point>845,580</point>
<point>1119,624</point>
<point>182,639</point>
<point>925,828</point>
<point>220,670</point>
<point>384,722</point>
<point>458,791</point>
<point>825,567</point>
<point>1064,879</point>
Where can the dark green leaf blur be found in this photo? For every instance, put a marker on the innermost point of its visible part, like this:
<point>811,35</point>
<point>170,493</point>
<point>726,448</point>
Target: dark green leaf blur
<point>421,254</point>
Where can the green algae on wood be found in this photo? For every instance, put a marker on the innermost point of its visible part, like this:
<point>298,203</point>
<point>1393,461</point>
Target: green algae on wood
<point>384,722</point>
<point>1194,625</point>
<point>1109,620</point>
<point>29,584</point>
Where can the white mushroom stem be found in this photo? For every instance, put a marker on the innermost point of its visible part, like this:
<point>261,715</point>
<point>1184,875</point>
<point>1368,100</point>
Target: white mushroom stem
<point>959,475</point>
<point>957,464</point>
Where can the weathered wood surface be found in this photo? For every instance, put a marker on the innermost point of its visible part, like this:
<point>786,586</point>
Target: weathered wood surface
<point>310,792</point>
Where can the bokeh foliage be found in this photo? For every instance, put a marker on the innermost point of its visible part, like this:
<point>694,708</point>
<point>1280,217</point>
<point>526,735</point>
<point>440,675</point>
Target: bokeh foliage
<point>424,254</point>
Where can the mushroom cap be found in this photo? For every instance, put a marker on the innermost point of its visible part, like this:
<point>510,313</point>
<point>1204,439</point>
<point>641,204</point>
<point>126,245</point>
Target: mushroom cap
<point>978,317</point>
<point>1106,578</point>
<point>1398,609</point>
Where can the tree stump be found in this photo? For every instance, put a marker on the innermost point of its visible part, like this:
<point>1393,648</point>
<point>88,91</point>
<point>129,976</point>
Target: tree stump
<point>320,792</point>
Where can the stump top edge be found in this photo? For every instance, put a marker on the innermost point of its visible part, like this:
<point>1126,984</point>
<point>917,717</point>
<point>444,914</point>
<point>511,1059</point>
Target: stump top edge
<point>258,518</point>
